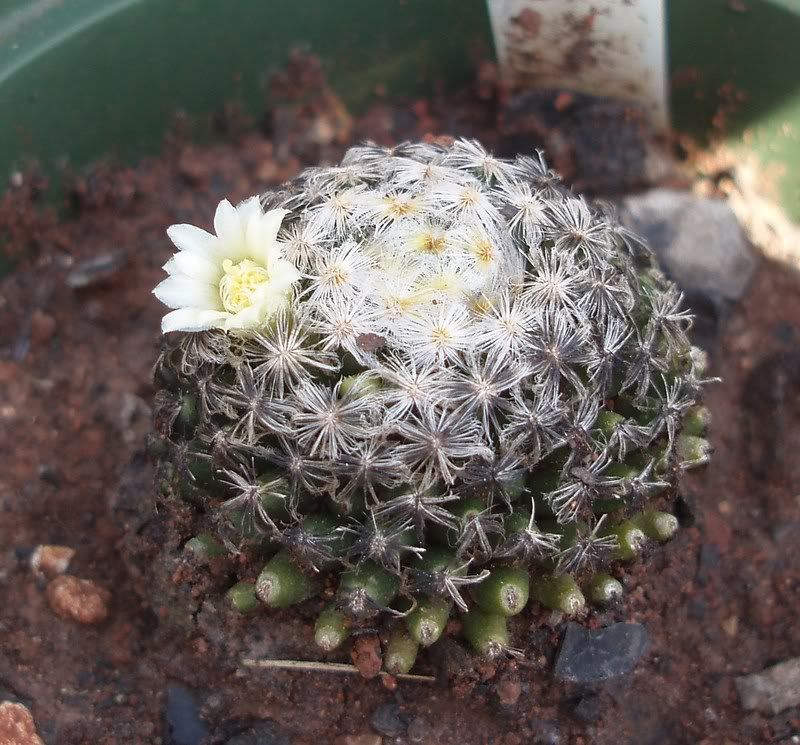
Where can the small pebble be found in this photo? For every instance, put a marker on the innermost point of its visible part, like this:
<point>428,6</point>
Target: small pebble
<point>358,740</point>
<point>544,732</point>
<point>730,626</point>
<point>96,270</point>
<point>419,730</point>
<point>366,655</point>
<point>183,717</point>
<point>17,726</point>
<point>260,733</point>
<point>51,560</point>
<point>772,690</point>
<point>388,720</point>
<point>43,326</point>
<point>79,600</point>
<point>508,691</point>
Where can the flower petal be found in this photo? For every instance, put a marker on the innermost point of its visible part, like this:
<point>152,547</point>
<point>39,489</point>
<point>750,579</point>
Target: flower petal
<point>249,207</point>
<point>192,319</point>
<point>268,227</point>
<point>194,239</point>
<point>252,233</point>
<point>196,267</point>
<point>179,291</point>
<point>230,231</point>
<point>246,318</point>
<point>171,267</point>
<point>282,274</point>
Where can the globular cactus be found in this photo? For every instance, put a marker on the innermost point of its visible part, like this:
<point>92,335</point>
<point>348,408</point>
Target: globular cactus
<point>433,379</point>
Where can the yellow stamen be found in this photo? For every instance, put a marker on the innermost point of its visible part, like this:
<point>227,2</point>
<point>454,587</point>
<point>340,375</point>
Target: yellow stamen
<point>480,305</point>
<point>240,284</point>
<point>484,252</point>
<point>399,206</point>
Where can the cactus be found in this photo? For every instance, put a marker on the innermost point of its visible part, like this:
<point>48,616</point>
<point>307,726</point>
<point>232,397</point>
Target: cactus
<point>429,379</point>
<point>331,629</point>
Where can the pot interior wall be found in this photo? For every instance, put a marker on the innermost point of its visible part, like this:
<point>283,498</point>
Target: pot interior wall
<point>89,78</point>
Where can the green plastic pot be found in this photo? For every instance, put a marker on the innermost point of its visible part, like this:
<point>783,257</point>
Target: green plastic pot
<point>83,79</point>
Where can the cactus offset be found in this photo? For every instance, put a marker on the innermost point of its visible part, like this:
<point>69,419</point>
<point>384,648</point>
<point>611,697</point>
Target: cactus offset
<point>416,372</point>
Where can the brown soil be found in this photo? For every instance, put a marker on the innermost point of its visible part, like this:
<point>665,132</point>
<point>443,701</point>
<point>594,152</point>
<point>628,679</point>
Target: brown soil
<point>79,333</point>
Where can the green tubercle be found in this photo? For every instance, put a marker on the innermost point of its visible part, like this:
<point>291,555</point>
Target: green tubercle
<point>400,652</point>
<point>368,588</point>
<point>487,633</point>
<point>693,451</point>
<point>504,591</point>
<point>607,422</point>
<point>362,384</point>
<point>630,540</point>
<point>559,592</point>
<point>331,629</point>
<point>427,622</point>
<point>696,421</point>
<point>603,589</point>
<point>436,559</point>
<point>658,526</point>
<point>282,583</point>
<point>242,597</point>
<point>200,467</point>
<point>517,522</point>
<point>204,547</point>
<point>274,494</point>
<point>544,480</point>
<point>188,415</point>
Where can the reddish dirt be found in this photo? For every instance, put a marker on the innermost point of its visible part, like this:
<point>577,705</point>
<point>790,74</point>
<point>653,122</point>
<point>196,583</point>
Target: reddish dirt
<point>78,335</point>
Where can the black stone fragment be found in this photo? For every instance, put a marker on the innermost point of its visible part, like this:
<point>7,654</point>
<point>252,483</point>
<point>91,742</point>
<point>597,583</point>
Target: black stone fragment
<point>588,656</point>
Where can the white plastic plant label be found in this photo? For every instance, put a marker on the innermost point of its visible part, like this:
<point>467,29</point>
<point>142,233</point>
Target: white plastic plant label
<point>613,48</point>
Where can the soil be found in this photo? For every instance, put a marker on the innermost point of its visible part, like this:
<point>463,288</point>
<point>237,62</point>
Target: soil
<point>78,336</point>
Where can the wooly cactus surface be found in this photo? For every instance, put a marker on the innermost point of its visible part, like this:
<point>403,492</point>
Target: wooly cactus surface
<point>423,382</point>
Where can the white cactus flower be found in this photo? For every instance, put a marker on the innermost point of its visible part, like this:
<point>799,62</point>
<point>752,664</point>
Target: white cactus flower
<point>236,279</point>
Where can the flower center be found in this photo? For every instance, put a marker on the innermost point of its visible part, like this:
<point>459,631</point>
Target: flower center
<point>240,284</point>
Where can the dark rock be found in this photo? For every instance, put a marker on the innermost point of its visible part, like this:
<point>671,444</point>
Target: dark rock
<point>23,554</point>
<point>598,145</point>
<point>772,690</point>
<point>588,656</point>
<point>684,510</point>
<point>419,730</point>
<point>697,608</point>
<point>184,725</point>
<point>707,561</point>
<point>544,732</point>
<point>698,241</point>
<point>259,733</point>
<point>49,475</point>
<point>786,536</point>
<point>388,720</point>
<point>12,695</point>
<point>785,333</point>
<point>784,726</point>
<point>588,708</point>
